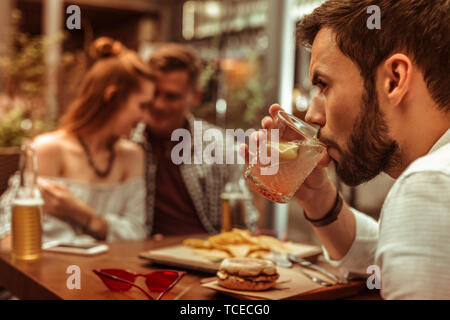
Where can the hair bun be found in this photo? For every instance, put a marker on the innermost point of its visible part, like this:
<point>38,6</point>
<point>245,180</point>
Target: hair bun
<point>105,47</point>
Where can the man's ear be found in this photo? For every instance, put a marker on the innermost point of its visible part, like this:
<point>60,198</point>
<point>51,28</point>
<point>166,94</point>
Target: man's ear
<point>397,74</point>
<point>110,91</point>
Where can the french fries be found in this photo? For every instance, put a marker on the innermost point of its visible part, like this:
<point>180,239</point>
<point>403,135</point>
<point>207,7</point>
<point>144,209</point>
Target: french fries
<point>235,243</point>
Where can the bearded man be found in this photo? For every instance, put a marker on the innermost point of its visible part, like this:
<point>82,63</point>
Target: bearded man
<point>382,105</point>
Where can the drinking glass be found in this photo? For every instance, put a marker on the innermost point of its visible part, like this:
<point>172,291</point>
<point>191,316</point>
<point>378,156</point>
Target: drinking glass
<point>284,158</point>
<point>26,216</point>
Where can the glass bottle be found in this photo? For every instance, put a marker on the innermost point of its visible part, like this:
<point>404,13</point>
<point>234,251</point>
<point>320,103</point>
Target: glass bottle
<point>26,219</point>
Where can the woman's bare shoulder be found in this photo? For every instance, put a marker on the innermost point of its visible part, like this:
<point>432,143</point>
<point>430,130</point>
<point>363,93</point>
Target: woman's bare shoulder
<point>50,142</point>
<point>132,156</point>
<point>49,148</point>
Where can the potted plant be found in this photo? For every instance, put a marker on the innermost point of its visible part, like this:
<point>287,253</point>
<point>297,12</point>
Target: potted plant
<point>22,107</point>
<point>17,121</point>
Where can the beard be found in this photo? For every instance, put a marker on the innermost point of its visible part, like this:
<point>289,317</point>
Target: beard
<point>370,149</point>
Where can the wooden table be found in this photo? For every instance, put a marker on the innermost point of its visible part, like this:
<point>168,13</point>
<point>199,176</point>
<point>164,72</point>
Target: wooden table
<point>46,278</point>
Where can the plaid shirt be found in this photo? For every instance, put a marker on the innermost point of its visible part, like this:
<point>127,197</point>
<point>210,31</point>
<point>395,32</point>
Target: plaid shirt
<point>204,183</point>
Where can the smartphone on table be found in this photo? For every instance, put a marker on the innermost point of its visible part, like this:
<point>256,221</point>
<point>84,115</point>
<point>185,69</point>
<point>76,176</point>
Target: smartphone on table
<point>87,249</point>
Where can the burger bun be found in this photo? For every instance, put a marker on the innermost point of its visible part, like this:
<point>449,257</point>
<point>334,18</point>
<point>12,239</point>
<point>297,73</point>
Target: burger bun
<point>247,274</point>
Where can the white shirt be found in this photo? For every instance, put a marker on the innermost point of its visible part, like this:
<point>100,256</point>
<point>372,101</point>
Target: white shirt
<point>411,241</point>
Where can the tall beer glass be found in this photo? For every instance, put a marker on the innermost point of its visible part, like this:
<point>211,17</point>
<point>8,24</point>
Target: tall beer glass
<point>26,220</point>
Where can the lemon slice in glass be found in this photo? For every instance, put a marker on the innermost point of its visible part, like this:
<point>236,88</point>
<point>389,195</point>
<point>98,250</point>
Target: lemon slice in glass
<point>287,151</point>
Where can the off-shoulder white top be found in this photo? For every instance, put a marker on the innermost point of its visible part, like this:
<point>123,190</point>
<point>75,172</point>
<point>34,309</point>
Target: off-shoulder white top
<point>121,204</point>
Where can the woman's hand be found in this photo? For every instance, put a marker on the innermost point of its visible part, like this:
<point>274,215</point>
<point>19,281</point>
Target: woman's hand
<point>58,201</point>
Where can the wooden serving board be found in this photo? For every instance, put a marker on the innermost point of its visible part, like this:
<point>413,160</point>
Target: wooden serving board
<point>181,256</point>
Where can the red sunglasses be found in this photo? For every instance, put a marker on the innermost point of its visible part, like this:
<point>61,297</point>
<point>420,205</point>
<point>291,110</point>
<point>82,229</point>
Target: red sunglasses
<point>157,281</point>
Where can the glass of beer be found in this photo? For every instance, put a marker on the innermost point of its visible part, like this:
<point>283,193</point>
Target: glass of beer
<point>26,219</point>
<point>26,228</point>
<point>234,200</point>
<point>284,158</point>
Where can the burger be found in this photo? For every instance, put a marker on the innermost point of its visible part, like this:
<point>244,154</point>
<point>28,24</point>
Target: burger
<point>247,274</point>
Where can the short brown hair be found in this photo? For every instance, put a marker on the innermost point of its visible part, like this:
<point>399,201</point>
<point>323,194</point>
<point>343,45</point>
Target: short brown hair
<point>419,27</point>
<point>115,65</point>
<point>173,56</point>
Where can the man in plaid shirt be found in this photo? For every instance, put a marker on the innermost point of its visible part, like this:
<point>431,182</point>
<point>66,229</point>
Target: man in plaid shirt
<point>181,198</point>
